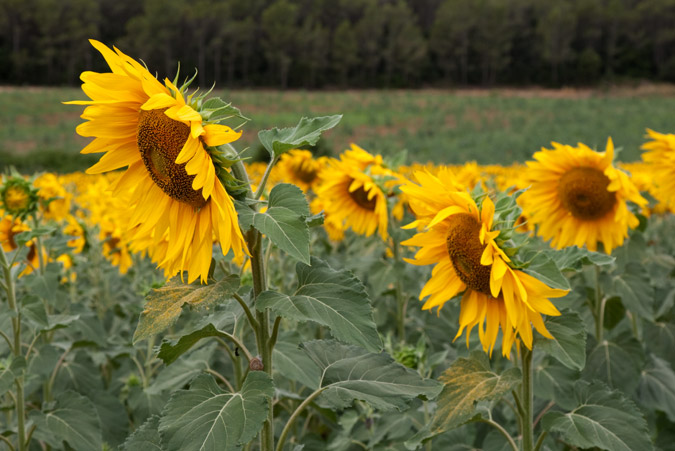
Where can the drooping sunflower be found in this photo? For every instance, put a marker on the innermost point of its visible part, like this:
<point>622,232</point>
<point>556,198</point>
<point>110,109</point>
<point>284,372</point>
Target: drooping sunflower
<point>300,168</point>
<point>172,181</point>
<point>351,195</point>
<point>458,237</point>
<point>577,197</point>
<point>660,155</point>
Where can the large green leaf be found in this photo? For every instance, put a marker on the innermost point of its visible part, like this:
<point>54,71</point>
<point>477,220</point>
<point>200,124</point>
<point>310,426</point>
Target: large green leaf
<point>656,389</point>
<point>349,373</point>
<point>617,362</point>
<point>467,381</point>
<point>293,363</point>
<point>569,343</point>
<point>336,299</point>
<point>306,133</point>
<point>207,417</point>
<point>73,420</point>
<point>169,351</point>
<point>636,293</point>
<point>552,380</point>
<point>603,418</point>
<point>572,258</point>
<point>546,270</point>
<point>145,438</point>
<point>183,371</point>
<point>289,196</point>
<point>164,305</point>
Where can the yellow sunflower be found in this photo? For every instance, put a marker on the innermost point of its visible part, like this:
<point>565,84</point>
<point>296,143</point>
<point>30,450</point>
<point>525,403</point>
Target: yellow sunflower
<point>660,154</point>
<point>577,197</point>
<point>351,195</point>
<point>459,239</point>
<point>175,193</point>
<point>300,168</point>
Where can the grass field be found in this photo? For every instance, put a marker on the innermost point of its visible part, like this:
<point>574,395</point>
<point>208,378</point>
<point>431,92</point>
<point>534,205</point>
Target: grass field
<point>488,126</point>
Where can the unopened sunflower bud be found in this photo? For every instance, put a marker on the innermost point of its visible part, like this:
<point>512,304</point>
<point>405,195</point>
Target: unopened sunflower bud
<point>256,364</point>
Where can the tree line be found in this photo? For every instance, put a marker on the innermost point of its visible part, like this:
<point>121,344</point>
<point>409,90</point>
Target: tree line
<point>345,43</point>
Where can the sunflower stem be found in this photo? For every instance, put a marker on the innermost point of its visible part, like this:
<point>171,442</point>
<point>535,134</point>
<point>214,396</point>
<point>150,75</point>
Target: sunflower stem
<point>254,241</point>
<point>16,348</point>
<point>527,398</point>
<point>599,306</point>
<point>263,181</point>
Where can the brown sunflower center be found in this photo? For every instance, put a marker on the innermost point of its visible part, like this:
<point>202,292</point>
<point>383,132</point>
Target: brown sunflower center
<point>465,250</point>
<point>583,192</point>
<point>160,140</point>
<point>360,196</point>
<point>305,173</point>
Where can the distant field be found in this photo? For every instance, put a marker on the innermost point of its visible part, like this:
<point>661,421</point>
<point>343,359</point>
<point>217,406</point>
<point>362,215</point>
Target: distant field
<point>488,126</point>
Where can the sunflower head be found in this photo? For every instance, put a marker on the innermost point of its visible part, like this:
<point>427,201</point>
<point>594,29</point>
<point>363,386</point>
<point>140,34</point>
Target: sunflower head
<point>660,156</point>
<point>577,197</point>
<point>472,242</point>
<point>300,168</point>
<point>18,197</point>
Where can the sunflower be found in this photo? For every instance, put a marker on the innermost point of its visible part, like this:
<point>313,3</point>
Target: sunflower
<point>54,199</point>
<point>577,197</point>
<point>171,179</point>
<point>300,168</point>
<point>458,237</point>
<point>351,195</point>
<point>660,154</point>
<point>9,228</point>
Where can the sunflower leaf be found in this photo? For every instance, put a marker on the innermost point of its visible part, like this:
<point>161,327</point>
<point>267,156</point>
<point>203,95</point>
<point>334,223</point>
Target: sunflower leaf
<point>569,340</point>
<point>207,417</point>
<point>349,373</point>
<point>573,258</point>
<point>164,305</point>
<point>306,133</point>
<point>603,418</point>
<point>74,420</point>
<point>286,229</point>
<point>617,361</point>
<point>336,299</point>
<point>467,381</point>
<point>169,351</point>
<point>145,438</point>
<point>657,387</point>
<point>635,290</point>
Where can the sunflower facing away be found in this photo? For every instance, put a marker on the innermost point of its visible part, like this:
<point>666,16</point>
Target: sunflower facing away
<point>459,239</point>
<point>660,154</point>
<point>300,168</point>
<point>171,180</point>
<point>577,197</point>
<point>350,194</point>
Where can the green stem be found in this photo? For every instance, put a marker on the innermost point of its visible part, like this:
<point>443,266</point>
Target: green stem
<point>294,416</point>
<point>540,442</point>
<point>527,399</point>
<point>401,299</point>
<point>263,181</point>
<point>16,348</point>
<point>599,307</point>
<point>502,431</point>
<point>249,315</point>
<point>262,331</point>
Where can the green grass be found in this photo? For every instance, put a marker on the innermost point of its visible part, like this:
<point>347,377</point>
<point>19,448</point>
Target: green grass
<point>500,126</point>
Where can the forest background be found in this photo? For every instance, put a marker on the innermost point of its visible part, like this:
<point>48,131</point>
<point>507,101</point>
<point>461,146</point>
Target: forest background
<point>346,43</point>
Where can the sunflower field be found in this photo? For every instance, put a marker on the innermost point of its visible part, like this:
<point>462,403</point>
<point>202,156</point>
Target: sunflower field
<point>178,296</point>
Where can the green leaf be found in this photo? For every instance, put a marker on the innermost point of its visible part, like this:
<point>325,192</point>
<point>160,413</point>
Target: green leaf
<point>24,237</point>
<point>293,363</point>
<point>552,380</point>
<point>635,291</point>
<point>164,305</point>
<point>9,371</point>
<point>336,299</point>
<point>169,351</point>
<point>306,133</point>
<point>467,381</point>
<point>656,389</point>
<point>603,418</point>
<point>349,373</point>
<point>207,417</point>
<point>145,438</point>
<point>286,229</point>
<point>569,343</point>
<point>573,258</point>
<point>73,420</point>
<point>617,362</point>
<point>216,110</point>
<point>545,269</point>
<point>289,196</point>
<point>183,371</point>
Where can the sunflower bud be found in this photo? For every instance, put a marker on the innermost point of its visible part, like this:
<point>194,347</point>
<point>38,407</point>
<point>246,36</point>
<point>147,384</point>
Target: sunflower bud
<point>18,197</point>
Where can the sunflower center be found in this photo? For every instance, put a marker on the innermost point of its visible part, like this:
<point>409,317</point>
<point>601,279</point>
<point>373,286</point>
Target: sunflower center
<point>465,250</point>
<point>160,140</point>
<point>305,173</point>
<point>360,196</point>
<point>583,192</point>
<point>16,199</point>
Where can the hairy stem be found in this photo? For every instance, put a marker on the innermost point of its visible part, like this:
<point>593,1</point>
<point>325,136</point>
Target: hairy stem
<point>502,431</point>
<point>294,416</point>
<point>527,399</point>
